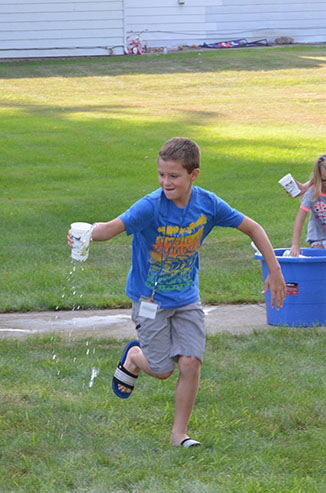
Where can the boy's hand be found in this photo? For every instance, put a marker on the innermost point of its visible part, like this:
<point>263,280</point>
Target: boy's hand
<point>275,282</point>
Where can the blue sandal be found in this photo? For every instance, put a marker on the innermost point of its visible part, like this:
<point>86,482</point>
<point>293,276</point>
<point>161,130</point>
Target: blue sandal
<point>122,376</point>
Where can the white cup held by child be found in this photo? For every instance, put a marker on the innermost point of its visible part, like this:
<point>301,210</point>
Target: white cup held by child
<point>289,184</point>
<point>81,235</point>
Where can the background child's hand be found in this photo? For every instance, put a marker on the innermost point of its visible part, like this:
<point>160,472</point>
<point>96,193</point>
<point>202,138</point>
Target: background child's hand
<point>295,251</point>
<point>303,187</point>
<point>69,238</point>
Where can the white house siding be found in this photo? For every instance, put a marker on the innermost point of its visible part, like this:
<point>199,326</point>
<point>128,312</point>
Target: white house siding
<point>43,28</point>
<point>169,23</point>
<point>47,28</point>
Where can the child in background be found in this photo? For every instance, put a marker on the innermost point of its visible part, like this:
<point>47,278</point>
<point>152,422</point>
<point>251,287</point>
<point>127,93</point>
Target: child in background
<point>168,227</point>
<point>314,201</point>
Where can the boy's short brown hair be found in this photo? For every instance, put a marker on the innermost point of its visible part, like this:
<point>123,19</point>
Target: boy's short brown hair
<point>181,149</point>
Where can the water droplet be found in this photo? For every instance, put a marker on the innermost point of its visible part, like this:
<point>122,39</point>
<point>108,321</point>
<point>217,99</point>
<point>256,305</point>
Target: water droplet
<point>95,372</point>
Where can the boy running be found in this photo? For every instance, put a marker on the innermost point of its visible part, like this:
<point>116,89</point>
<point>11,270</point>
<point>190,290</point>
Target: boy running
<point>168,227</point>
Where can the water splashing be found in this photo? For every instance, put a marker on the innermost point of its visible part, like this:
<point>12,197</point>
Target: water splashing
<point>71,295</point>
<point>95,372</point>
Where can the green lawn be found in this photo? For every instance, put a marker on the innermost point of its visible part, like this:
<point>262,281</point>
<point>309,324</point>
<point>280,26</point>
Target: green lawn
<point>260,415</point>
<point>80,140</point>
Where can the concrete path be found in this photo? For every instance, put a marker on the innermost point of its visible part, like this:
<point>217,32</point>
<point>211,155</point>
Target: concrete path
<point>235,319</point>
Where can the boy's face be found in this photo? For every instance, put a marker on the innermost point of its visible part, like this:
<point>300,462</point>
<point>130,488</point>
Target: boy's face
<point>175,181</point>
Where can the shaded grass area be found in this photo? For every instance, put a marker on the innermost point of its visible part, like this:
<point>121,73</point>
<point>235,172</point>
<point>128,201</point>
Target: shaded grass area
<point>259,414</point>
<point>80,140</point>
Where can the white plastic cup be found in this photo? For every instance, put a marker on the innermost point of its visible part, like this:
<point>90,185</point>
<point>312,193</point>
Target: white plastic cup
<point>81,235</point>
<point>289,184</point>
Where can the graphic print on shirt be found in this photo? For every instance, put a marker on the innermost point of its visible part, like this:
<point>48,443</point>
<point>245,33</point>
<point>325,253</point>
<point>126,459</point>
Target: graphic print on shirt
<point>178,267</point>
<point>320,211</point>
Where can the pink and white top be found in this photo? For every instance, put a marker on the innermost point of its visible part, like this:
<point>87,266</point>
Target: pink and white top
<point>317,220</point>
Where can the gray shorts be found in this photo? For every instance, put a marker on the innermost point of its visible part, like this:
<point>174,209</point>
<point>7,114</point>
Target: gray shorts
<point>174,332</point>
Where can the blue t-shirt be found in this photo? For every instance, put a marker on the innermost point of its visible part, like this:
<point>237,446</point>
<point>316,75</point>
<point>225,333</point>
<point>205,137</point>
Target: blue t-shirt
<point>166,243</point>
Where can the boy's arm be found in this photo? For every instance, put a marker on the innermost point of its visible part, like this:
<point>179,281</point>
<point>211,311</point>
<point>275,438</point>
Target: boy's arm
<point>274,280</point>
<point>103,231</point>
<point>297,229</point>
<point>106,231</point>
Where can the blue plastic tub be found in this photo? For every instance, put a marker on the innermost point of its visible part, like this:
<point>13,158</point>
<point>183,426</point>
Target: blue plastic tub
<point>305,277</point>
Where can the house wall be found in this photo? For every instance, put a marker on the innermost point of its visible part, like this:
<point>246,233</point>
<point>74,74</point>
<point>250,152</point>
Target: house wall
<point>42,28</point>
<point>168,23</point>
<point>46,28</point>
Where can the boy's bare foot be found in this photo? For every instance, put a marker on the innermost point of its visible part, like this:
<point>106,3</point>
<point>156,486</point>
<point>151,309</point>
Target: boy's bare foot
<point>177,438</point>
